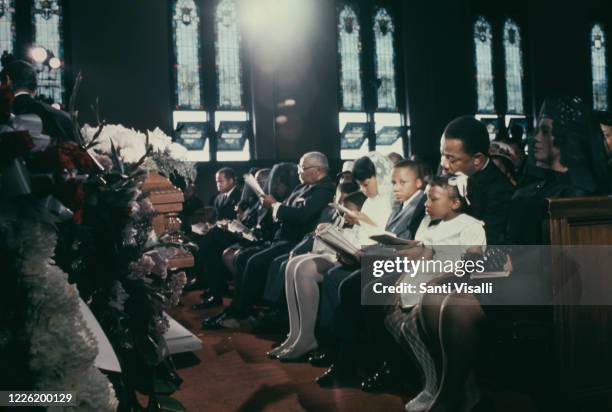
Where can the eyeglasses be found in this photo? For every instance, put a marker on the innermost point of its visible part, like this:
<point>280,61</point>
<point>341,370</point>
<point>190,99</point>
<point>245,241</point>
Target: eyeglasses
<point>303,169</point>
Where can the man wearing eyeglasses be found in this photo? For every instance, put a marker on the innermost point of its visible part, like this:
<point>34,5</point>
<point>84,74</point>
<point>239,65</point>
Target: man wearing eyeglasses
<point>297,215</point>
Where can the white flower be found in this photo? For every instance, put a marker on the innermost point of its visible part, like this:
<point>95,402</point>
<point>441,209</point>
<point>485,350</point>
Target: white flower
<point>131,143</point>
<point>146,206</point>
<point>152,239</point>
<point>62,348</point>
<point>159,140</point>
<point>119,296</point>
<point>177,151</point>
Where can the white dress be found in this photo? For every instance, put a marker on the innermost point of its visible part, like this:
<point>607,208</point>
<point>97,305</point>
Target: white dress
<point>449,240</point>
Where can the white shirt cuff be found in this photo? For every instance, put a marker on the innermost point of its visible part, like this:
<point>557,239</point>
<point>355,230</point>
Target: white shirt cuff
<point>275,207</point>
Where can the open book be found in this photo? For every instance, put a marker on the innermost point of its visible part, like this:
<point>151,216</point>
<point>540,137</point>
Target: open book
<point>362,217</point>
<point>391,239</point>
<point>334,238</point>
<point>250,181</point>
<point>241,230</point>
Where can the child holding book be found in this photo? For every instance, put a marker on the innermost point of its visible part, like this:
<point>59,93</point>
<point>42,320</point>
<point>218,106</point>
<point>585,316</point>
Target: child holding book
<point>446,234</point>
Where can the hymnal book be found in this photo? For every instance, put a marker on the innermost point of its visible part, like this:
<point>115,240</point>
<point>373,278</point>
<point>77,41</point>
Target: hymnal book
<point>250,180</point>
<point>241,230</point>
<point>334,238</point>
<point>391,239</point>
<point>201,228</point>
<point>362,217</point>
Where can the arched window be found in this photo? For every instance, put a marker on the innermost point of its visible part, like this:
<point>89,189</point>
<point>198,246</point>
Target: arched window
<point>483,44</point>
<point>514,68</point>
<point>227,56</point>
<point>599,68</point>
<point>47,21</point>
<point>7,26</point>
<point>349,48</point>
<point>385,60</point>
<point>186,36</point>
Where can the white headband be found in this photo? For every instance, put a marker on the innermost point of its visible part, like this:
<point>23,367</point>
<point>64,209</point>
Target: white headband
<point>460,181</point>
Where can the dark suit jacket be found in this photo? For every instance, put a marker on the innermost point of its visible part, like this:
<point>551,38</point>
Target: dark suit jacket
<point>489,193</point>
<point>56,123</point>
<point>404,222</point>
<point>300,212</point>
<point>224,207</point>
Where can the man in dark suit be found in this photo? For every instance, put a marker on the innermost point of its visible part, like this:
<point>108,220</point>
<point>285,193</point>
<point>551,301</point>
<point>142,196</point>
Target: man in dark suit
<point>209,269</point>
<point>20,76</point>
<point>297,216</point>
<point>229,195</point>
<point>465,148</point>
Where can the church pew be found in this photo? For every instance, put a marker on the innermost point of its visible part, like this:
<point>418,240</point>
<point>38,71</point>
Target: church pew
<point>582,334</point>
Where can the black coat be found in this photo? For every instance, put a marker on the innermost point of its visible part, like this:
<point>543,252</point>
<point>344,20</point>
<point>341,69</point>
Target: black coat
<point>55,123</point>
<point>489,193</point>
<point>225,207</point>
<point>301,211</point>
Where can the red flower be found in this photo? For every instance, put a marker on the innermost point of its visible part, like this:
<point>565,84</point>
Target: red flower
<point>72,195</point>
<point>66,156</point>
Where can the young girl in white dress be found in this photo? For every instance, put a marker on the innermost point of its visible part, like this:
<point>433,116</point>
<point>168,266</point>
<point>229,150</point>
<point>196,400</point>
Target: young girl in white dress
<point>446,234</point>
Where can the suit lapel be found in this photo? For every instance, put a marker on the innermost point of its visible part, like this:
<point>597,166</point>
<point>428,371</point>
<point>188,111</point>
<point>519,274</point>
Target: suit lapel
<point>401,216</point>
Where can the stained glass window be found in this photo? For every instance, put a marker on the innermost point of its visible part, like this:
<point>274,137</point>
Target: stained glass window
<point>483,43</point>
<point>227,49</point>
<point>186,30</point>
<point>599,68</point>
<point>349,48</point>
<point>47,20</point>
<point>514,67</point>
<point>7,26</point>
<point>385,59</point>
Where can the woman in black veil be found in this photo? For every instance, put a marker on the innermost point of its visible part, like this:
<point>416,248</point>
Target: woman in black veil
<point>446,331</point>
<point>568,156</point>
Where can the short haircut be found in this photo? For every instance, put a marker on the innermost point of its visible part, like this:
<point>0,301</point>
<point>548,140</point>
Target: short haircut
<point>420,169</point>
<point>472,133</point>
<point>356,198</point>
<point>348,187</point>
<point>228,173</point>
<point>319,159</point>
<point>22,74</point>
<point>363,169</point>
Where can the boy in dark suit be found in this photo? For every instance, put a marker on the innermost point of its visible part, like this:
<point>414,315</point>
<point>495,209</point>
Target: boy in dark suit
<point>228,197</point>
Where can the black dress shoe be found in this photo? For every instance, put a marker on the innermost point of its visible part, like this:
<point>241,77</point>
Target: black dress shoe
<point>207,303</point>
<point>382,380</point>
<point>321,359</point>
<point>213,322</point>
<point>336,377</point>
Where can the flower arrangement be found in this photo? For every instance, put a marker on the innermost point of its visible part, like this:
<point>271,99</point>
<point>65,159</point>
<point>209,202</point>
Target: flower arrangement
<point>75,222</point>
<point>44,341</point>
<point>164,156</point>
